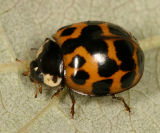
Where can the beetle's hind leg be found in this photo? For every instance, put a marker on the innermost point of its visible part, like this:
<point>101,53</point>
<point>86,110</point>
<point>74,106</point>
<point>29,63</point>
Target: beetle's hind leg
<point>122,99</point>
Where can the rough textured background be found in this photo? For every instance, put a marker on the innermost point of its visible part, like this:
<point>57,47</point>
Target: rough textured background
<point>24,24</point>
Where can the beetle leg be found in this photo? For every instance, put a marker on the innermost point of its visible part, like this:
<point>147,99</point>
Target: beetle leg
<point>57,93</point>
<point>40,88</point>
<point>122,99</point>
<point>73,103</point>
<point>35,82</point>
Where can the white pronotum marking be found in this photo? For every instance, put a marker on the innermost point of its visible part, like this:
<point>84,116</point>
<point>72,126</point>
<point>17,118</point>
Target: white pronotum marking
<point>48,80</point>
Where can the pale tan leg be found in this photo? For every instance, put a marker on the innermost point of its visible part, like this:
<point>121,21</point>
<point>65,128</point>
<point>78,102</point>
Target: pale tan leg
<point>122,99</point>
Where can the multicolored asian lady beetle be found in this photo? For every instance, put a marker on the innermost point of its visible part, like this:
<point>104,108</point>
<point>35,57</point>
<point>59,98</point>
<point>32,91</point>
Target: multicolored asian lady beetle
<point>93,58</point>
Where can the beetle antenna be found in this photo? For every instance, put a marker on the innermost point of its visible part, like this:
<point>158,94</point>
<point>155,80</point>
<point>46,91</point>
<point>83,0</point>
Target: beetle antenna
<point>26,73</point>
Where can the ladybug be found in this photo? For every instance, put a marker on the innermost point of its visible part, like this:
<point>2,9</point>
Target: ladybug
<point>92,58</point>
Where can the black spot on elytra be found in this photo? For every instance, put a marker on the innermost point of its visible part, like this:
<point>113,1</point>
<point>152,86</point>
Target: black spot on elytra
<point>91,32</point>
<point>128,65</point>
<point>70,45</point>
<point>140,57</point>
<point>101,88</point>
<point>108,68</point>
<point>124,51</point>
<point>96,46</point>
<point>117,30</point>
<point>127,79</point>
<point>77,61</point>
<point>80,77</point>
<point>68,31</point>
